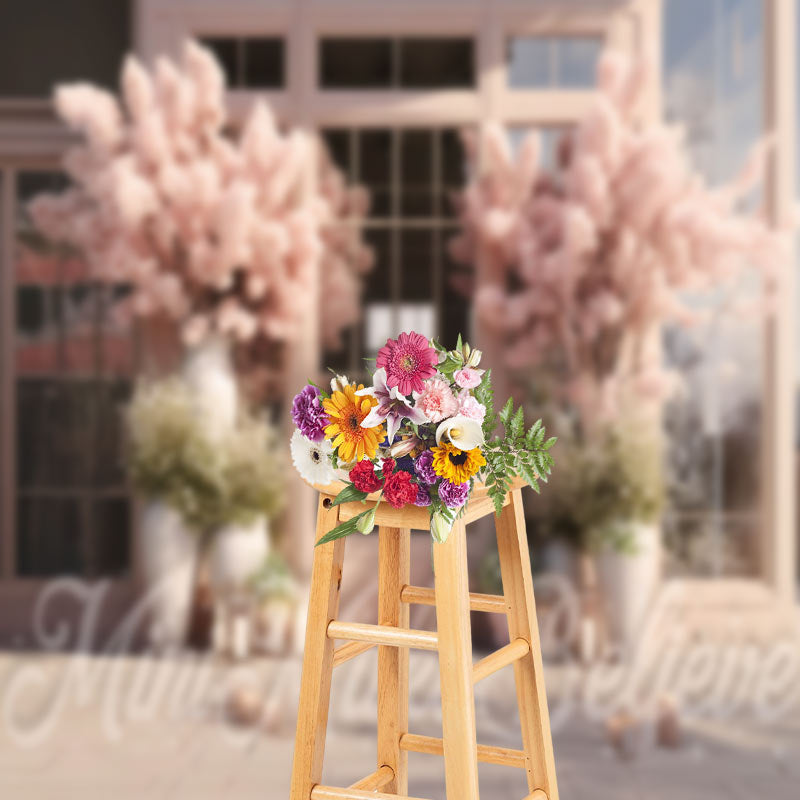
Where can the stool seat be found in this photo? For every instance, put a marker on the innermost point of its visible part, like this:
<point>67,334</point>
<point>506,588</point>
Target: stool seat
<point>452,641</point>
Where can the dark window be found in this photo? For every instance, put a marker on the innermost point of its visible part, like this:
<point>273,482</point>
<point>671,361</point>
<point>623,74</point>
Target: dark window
<point>250,62</point>
<point>436,63</point>
<point>407,63</point>
<point>72,371</point>
<point>346,63</point>
<point>410,174</point>
<point>44,42</point>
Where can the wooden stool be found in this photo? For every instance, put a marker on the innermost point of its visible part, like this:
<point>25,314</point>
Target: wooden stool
<point>393,637</point>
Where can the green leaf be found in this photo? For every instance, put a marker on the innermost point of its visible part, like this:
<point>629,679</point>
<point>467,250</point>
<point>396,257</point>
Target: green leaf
<point>518,424</point>
<point>344,529</point>
<point>550,442</point>
<point>508,410</point>
<point>348,495</point>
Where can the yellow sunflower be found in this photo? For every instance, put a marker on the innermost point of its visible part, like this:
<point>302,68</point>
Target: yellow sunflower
<point>346,412</point>
<point>457,466</point>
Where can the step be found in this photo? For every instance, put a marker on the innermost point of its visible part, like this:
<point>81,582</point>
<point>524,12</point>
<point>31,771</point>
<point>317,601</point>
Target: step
<point>505,756</point>
<point>512,652</point>
<point>422,596</point>
<point>383,634</point>
<point>332,793</point>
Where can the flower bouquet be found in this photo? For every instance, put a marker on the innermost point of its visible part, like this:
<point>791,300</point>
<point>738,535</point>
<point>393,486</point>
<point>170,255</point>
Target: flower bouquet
<point>423,433</point>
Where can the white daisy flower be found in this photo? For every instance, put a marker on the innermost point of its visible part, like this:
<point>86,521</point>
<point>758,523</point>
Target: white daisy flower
<point>312,459</point>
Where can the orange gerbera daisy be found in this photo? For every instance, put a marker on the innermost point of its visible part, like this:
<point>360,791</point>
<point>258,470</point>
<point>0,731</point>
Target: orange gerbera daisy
<point>346,412</point>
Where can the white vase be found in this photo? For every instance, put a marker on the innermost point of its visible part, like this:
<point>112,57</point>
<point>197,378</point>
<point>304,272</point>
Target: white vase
<point>168,548</point>
<point>208,371</point>
<point>629,582</point>
<point>237,552</point>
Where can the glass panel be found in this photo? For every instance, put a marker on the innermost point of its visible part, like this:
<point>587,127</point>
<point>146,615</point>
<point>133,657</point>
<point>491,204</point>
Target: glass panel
<point>228,53</point>
<point>713,87</point>
<point>111,528</point>
<point>428,63</point>
<point>379,281</point>
<point>264,63</point>
<point>375,169</point>
<point>549,62</point>
<point>49,536</point>
<point>416,163</point>
<point>416,261</point>
<point>43,43</point>
<point>338,141</point>
<point>453,170</point>
<point>453,304</point>
<point>356,63</point>
<point>72,364</point>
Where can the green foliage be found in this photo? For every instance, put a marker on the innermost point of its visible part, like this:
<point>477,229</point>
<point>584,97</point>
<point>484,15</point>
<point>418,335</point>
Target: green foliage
<point>603,486</point>
<point>516,452</point>
<point>343,529</point>
<point>210,482</point>
<point>348,494</point>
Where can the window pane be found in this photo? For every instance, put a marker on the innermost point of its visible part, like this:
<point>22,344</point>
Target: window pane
<point>379,282</point>
<point>49,538</point>
<point>264,63</point>
<point>338,143</point>
<point>226,49</point>
<point>453,170</point>
<point>375,169</point>
<point>43,43</point>
<point>542,62</point>
<point>355,63</point>
<point>453,305</point>
<point>416,159</point>
<point>72,367</point>
<point>416,264</point>
<point>427,63</point>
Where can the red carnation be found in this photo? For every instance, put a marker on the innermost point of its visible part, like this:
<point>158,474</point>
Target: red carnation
<point>364,478</point>
<point>400,490</point>
<point>388,466</point>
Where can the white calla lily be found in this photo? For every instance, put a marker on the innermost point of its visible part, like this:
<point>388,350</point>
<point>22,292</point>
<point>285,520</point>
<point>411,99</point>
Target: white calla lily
<point>463,432</point>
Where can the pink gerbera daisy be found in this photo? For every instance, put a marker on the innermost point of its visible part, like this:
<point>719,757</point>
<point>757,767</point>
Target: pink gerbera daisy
<point>408,360</point>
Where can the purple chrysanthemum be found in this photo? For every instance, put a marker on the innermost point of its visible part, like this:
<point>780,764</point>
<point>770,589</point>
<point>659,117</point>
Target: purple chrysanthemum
<point>423,466</point>
<point>308,414</point>
<point>423,498</point>
<point>453,495</point>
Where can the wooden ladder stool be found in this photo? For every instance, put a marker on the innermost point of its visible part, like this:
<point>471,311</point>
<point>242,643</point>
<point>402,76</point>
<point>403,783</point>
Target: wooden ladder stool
<point>452,640</point>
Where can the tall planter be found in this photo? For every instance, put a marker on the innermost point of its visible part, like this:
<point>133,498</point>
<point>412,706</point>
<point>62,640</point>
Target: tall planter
<point>208,371</point>
<point>629,582</point>
<point>168,557</point>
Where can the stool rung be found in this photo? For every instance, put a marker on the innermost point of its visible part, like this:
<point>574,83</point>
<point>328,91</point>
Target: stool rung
<point>537,795</point>
<point>376,781</point>
<point>332,793</point>
<point>383,634</point>
<point>422,596</point>
<point>491,755</point>
<point>350,650</point>
<point>512,652</point>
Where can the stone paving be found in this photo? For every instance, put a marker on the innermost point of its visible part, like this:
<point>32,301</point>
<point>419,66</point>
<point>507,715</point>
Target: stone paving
<point>124,728</point>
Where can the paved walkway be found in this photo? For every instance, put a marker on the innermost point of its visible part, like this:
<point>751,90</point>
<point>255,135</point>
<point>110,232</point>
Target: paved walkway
<point>135,728</point>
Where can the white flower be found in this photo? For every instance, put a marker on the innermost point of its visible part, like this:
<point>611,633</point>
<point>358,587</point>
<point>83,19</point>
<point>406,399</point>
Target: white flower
<point>312,459</point>
<point>464,433</point>
<point>338,383</point>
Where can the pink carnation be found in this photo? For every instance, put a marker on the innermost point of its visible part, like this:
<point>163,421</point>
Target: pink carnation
<point>468,377</point>
<point>469,407</point>
<point>437,401</point>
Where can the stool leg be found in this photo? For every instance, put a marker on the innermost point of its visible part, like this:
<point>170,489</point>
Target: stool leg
<point>515,567</point>
<point>455,665</point>
<point>394,572</point>
<point>315,684</point>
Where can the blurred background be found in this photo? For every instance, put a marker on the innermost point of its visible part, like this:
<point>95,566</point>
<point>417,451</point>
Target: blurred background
<point>242,194</point>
